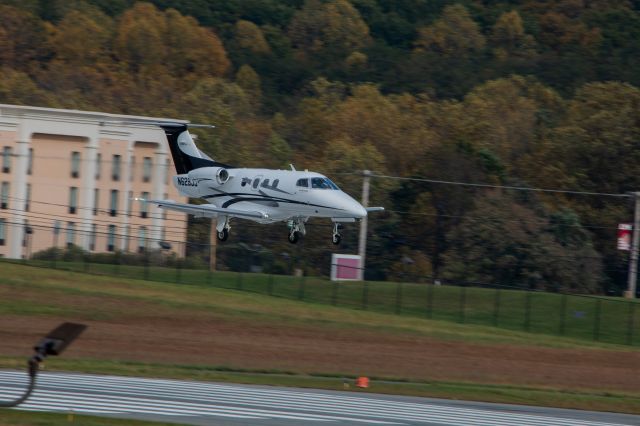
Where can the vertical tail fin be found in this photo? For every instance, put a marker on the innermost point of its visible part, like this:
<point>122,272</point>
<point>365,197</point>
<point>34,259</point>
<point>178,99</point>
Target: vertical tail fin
<point>186,156</point>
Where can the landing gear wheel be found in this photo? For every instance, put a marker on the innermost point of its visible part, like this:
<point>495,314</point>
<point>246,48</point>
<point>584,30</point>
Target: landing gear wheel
<point>294,237</point>
<point>223,235</point>
<point>336,238</point>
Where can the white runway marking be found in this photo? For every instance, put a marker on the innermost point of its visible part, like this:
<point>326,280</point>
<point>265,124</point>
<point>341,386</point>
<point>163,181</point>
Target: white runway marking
<point>156,397</point>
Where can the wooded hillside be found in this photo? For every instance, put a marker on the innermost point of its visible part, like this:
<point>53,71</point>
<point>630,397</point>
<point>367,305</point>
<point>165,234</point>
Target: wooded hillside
<point>530,93</point>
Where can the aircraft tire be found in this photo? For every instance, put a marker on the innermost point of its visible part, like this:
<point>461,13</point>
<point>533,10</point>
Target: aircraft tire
<point>294,237</point>
<point>223,235</point>
<point>336,238</point>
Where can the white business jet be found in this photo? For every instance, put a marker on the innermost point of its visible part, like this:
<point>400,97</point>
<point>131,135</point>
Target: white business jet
<point>260,195</point>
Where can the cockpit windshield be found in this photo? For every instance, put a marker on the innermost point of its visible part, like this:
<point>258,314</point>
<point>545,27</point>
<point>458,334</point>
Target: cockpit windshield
<point>323,183</point>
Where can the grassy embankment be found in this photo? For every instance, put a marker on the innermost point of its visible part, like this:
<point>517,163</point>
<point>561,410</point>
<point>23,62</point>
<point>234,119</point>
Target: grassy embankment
<point>611,320</point>
<point>30,297</point>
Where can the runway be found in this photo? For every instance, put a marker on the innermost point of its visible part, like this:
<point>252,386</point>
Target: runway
<point>205,403</point>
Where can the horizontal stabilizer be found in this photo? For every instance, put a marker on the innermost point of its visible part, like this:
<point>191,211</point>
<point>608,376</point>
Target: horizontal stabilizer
<point>374,209</point>
<point>207,210</point>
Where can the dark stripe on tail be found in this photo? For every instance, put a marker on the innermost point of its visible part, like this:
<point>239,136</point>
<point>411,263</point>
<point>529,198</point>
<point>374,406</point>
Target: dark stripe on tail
<point>184,162</point>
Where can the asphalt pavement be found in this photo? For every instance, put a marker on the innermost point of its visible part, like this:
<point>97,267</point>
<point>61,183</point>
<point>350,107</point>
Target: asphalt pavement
<point>223,404</point>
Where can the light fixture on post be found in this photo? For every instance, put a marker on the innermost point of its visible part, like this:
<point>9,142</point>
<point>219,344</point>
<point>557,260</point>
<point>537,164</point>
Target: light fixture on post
<point>53,343</point>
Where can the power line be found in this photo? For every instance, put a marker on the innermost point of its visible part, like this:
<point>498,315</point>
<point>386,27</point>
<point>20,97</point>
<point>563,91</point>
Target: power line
<point>517,188</point>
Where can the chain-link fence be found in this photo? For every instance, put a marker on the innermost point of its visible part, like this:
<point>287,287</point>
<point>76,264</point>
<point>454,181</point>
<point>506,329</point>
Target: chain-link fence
<point>252,268</point>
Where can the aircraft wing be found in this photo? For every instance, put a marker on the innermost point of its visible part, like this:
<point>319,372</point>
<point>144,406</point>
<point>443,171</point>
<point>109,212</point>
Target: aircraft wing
<point>207,210</point>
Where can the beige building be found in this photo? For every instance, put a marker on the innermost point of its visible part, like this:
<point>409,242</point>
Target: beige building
<point>76,177</point>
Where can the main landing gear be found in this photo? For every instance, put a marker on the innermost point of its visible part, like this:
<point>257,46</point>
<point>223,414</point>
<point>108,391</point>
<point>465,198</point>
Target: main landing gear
<point>223,229</point>
<point>296,230</point>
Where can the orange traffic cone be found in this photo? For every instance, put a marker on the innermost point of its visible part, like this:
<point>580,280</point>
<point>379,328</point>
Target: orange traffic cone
<point>362,382</point>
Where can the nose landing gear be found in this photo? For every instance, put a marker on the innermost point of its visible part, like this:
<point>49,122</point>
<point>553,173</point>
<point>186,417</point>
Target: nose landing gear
<point>336,237</point>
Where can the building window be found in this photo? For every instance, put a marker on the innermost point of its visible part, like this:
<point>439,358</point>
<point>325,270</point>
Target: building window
<point>113,205</point>
<point>26,233</point>
<point>2,232</point>
<point>115,168</point>
<point>6,159</point>
<point>98,165</point>
<point>129,203</point>
<point>96,201</point>
<point>27,200</point>
<point>4,196</point>
<point>146,169</point>
<point>164,211</point>
<point>71,234</point>
<point>142,239</point>
<point>30,162</point>
<point>132,168</point>
<point>127,232</point>
<point>73,200</point>
<point>75,164</point>
<point>92,237</point>
<point>144,206</point>
<point>111,238</point>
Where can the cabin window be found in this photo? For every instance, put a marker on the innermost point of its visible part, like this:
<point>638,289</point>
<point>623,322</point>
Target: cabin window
<point>265,183</point>
<point>256,182</point>
<point>303,183</point>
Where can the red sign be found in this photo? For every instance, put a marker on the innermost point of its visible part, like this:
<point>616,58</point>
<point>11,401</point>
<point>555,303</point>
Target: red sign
<point>624,236</point>
<point>345,267</point>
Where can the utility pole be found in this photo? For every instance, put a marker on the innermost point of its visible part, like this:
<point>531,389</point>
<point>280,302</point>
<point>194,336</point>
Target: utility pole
<point>633,261</point>
<point>362,241</point>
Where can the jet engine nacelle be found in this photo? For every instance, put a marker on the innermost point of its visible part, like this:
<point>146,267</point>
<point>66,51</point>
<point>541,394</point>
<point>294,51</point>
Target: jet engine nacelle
<point>219,174</point>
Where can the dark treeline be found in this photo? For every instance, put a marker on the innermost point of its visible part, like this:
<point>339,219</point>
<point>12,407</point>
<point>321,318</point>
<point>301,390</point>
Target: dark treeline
<point>517,93</point>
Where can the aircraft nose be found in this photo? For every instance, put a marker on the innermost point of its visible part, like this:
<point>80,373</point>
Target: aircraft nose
<point>357,211</point>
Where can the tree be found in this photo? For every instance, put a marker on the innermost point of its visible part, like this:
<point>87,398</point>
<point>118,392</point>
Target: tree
<point>455,33</point>
<point>193,50</point>
<point>507,242</point>
<point>80,40</point>
<point>17,88</point>
<point>510,39</point>
<point>150,39</point>
<point>249,80</point>
<point>249,36</point>
<point>332,30</point>
<point>22,38</point>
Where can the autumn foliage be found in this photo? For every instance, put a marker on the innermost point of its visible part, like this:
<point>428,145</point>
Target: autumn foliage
<point>516,94</point>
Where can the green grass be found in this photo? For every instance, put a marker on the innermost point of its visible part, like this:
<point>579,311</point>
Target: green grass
<point>590,318</point>
<point>37,292</point>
